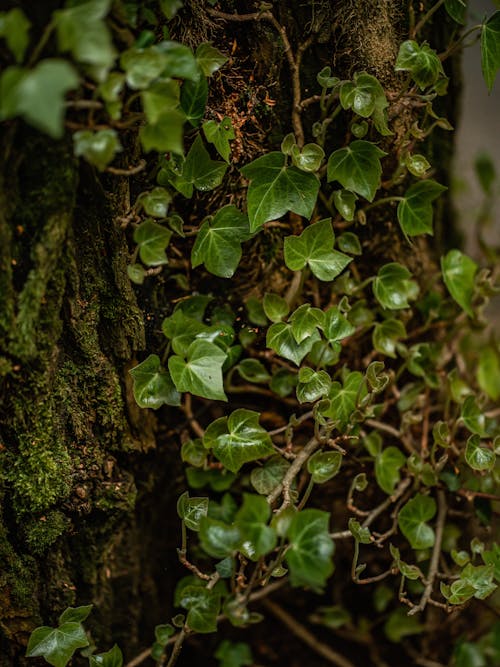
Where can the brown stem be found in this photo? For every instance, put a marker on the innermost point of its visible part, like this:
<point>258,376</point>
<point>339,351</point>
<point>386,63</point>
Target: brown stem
<point>131,171</point>
<point>292,472</point>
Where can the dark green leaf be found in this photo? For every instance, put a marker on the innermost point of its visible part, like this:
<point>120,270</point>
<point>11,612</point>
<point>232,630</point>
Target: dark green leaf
<point>193,452</point>
<point>485,172</point>
<point>253,370</point>
<point>112,658</point>
<point>14,28</point>
<point>191,510</point>
<point>155,202</point>
<point>357,168</point>
<point>457,9</point>
<point>276,188</point>
<point>280,338</point>
<point>386,334</point>
<point>415,211</point>
<point>209,58</point>
<point>336,326</point>
<point>400,625</point>
<point>230,654</point>
<point>412,521</point>
<point>344,399</point>
<point>57,645</point>
<point>490,49</point>
<point>220,134</point>
<point>217,538</point>
<point>488,371</point>
<point>393,286</point>
<point>203,605</point>
<point>166,134</point>
<point>283,382</point>
<point>201,373</point>
<point>217,480</point>
<point>257,538</point>
<point>473,418</point>
<point>267,477</point>
<point>478,457</point>
<point>325,78</point>
<point>345,203</point>
<point>312,385</point>
<point>153,386</point>
<point>194,96</point>
<point>324,465</point>
<point>152,240</point>
<point>163,633</point>
<point>199,170</point>
<point>99,148</point>
<point>459,272</point>
<point>387,466</point>
<point>311,548</point>
<point>305,320</point>
<point>421,61</point>
<point>366,97</point>
<point>75,614</point>
<point>349,242</point>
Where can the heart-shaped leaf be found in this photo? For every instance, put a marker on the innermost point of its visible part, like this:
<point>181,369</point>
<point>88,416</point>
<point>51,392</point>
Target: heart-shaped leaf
<point>357,168</point>
<point>280,338</point>
<point>57,645</point>
<point>459,272</point>
<point>387,466</point>
<point>415,210</point>
<point>220,134</point>
<point>412,521</point>
<point>201,372</point>
<point>421,61</point>
<point>152,240</point>
<point>323,466</point>
<point>311,548</point>
<point>267,477</point>
<point>393,286</point>
<point>203,608</point>
<point>257,538</point>
<point>153,386</point>
<point>490,49</point>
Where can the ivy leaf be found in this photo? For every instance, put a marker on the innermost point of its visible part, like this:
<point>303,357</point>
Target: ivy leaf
<point>155,202</point>
<point>194,453</point>
<point>412,521</point>
<point>459,592</point>
<point>153,386</point>
<point>357,168</point>
<point>418,165</point>
<point>166,134</point>
<point>201,373</point>
<point>233,654</point>
<point>199,170</point>
<point>82,30</point>
<point>477,457</point>
<point>152,240</point>
<point>366,97</point>
<point>276,188</point>
<point>457,9</point>
<point>311,548</point>
<point>203,608</point>
<point>392,286</point>
<point>142,66</point>
<point>238,439</point>
<point>218,242</point>
<point>386,334</point>
<point>305,320</point>
<point>488,371</point>
<point>280,338</point>
<point>98,148</point>
<point>349,242</point>
<point>360,533</point>
<point>345,203</point>
<point>387,466</point>
<point>191,510</point>
<point>275,307</point>
<point>323,466</point>
<point>112,658</point>
<point>160,97</point>
<point>344,399</point>
<point>400,625</point>
<point>253,370</point>
<point>209,58</point>
<point>57,645</point>
<point>315,248</point>
<point>490,49</point>
<point>309,158</point>
<point>257,539</point>
<point>194,96</point>
<point>217,538</point>
<point>14,28</point>
<point>336,326</point>
<point>421,61</point>
<point>312,385</point>
<point>415,210</point>
<point>220,134</point>
<point>473,418</point>
<point>459,272</point>
<point>170,7</point>
<point>267,477</point>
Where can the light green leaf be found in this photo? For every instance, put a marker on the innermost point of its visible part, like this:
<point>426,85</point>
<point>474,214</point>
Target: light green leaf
<point>387,467</point>
<point>217,538</point>
<point>480,577</point>
<point>99,148</point>
<point>203,605</point>
<point>459,272</point>
<point>314,247</point>
<point>199,170</point>
<point>412,521</point>
<point>155,202</point>
<point>14,28</point>
<point>112,658</point>
<point>267,477</point>
<point>280,338</point>
<point>191,510</point>
<point>160,97</point>
<point>238,439</point>
<point>366,97</point>
<point>421,61</point>
<point>153,386</point>
<point>415,210</point>
<point>166,135</point>
<point>305,320</point>
<point>209,58</point>
<point>386,334</point>
<point>490,49</point>
<point>275,307</point>
<point>473,418</point>
<point>360,533</point>
<point>418,165</point>
<point>218,242</point>
<point>478,457</point>
<point>276,188</point>
<point>57,645</point>
<point>344,399</point>
<point>136,273</point>
<point>220,134</point>
<point>312,385</point>
<point>357,168</point>
<point>323,466</point>
<point>152,240</point>
<point>309,158</point>
<point>257,539</point>
<point>459,592</point>
<point>194,96</point>
<point>488,371</point>
<point>75,614</point>
<point>393,286</point>
<point>142,66</point>
<point>311,548</point>
<point>201,373</point>
<point>336,326</point>
<point>345,203</point>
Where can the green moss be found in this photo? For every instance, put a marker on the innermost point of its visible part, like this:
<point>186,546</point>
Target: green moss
<point>17,574</point>
<point>41,532</point>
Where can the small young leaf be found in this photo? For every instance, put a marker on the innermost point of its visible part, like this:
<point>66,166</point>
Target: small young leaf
<point>98,148</point>
<point>472,416</point>
<point>268,476</point>
<point>155,202</point>
<point>459,272</point>
<point>193,452</point>
<point>309,158</point>
<point>345,203</point>
<point>349,242</point>
<point>153,386</point>
<point>366,97</point>
<point>14,28</point>
<point>421,61</point>
<point>386,334</point>
<point>325,78</point>
<point>203,608</point>
<point>360,533</point>
<point>112,658</point>
<point>387,466</point>
<point>392,286</point>
<point>152,240</point>
<point>412,521</point>
<point>201,373</point>
<point>163,633</point>
<point>209,58</point>
<point>324,465</point>
<point>220,134</point>
<point>418,165</point>
<point>415,211</point>
<point>490,49</point>
<point>280,338</point>
<point>336,326</point>
<point>344,399</point>
<point>312,385</point>
<point>75,614</point>
<point>191,510</point>
<point>478,457</point>
<point>311,548</point>
<point>257,539</point>
<point>357,168</point>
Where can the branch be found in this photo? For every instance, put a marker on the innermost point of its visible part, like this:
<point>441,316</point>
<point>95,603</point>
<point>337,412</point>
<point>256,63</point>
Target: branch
<point>292,472</point>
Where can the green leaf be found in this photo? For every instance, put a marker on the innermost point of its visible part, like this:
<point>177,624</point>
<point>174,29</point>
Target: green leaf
<point>312,385</point>
<point>267,477</point>
<point>490,49</point>
<point>336,326</point>
<point>155,202</point>
<point>82,30</point>
<point>160,97</point>
<point>217,538</point>
<point>183,330</point>
<point>412,521</point>
<point>75,614</point>
<point>477,457</point>
<point>305,320</point>
<point>14,28</point>
<point>392,286</point>
<point>349,242</point>
<point>152,240</point>
<point>345,203</point>
<point>194,96</point>
<point>220,134</point>
<point>136,273</point>
<point>218,242</point>
<point>37,95</point>
<point>459,592</point>
<point>387,466</point>
<point>323,466</point>
<point>400,625</point>
<point>170,7</point>
<point>314,247</point>
<point>480,578</point>
<point>153,386</point>
<point>112,658</point>
<point>253,370</point>
<point>230,654</point>
<point>201,373</point>
<point>193,452</point>
<point>199,170</point>
<point>309,158</point>
<point>191,510</point>
<point>203,608</point>
<point>459,272</point>
<point>217,480</point>
<point>418,165</point>
<point>166,134</point>
<point>386,334</point>
<point>276,188</point>
<point>357,168</point>
<point>421,61</point>
<point>311,548</point>
<point>209,58</point>
<point>280,338</point>
<point>360,533</point>
<point>415,210</point>
<point>99,148</point>
<point>485,172</point>
<point>457,9</point>
<point>275,307</point>
<point>325,78</point>
<point>142,66</point>
<point>163,633</point>
<point>409,571</point>
<point>344,399</point>
<point>488,371</point>
<point>57,645</point>
<point>366,97</point>
<point>257,539</point>
<point>283,382</point>
<point>473,418</point>
<point>238,439</point>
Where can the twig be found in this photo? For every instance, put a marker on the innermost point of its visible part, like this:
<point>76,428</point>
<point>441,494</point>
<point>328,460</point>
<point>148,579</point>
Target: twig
<point>188,411</point>
<point>387,428</point>
<point>307,637</point>
<point>436,551</point>
<point>176,651</point>
<point>131,171</point>
<point>425,18</point>
<point>292,472</point>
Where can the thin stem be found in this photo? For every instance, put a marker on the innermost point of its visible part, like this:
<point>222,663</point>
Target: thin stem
<point>425,18</point>
<point>41,44</point>
<point>292,472</point>
<point>176,651</point>
<point>306,495</point>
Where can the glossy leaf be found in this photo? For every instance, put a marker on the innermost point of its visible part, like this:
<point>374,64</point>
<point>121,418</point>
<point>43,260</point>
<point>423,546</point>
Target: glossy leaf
<point>459,272</point>
<point>57,645</point>
<point>314,247</point>
<point>191,510</point>
<point>153,386</point>
<point>194,96</point>
<point>418,165</point>
<point>490,49</point>
<point>473,417</point>
<point>323,466</point>
<point>258,539</point>
<point>360,533</point>
<point>201,373</point>
<point>479,457</point>
<point>457,9</point>
<point>193,452</point>
<point>344,399</point>
<point>275,307</point>
<point>488,371</point>
<point>366,97</point>
<point>98,148</point>
<point>312,385</point>
<point>387,466</point>
<point>415,211</point>
<point>421,61</point>
<point>336,326</point>
<point>155,202</point>
<point>199,170</point>
<point>152,240</point>
<point>238,439</point>
<point>412,521</point>
<point>209,58</point>
<point>276,188</point>
<point>203,607</point>
<point>220,134</point>
<point>386,334</point>
<point>217,538</point>
<point>267,477</point>
<point>305,320</point>
<point>280,338</point>
<point>349,242</point>
<point>112,658</point>
<point>309,557</point>
<point>309,158</point>
<point>345,203</point>
<point>357,168</point>
<point>393,286</point>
